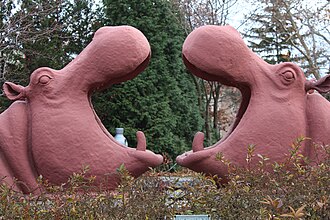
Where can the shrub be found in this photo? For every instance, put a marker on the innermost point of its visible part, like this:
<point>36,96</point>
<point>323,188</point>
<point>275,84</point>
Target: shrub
<point>293,190</point>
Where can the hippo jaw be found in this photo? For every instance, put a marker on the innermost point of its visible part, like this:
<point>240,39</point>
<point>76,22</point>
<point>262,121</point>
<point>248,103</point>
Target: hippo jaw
<point>144,158</point>
<point>193,54</point>
<point>200,158</point>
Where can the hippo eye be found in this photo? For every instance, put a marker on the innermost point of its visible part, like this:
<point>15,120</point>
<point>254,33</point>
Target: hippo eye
<point>288,77</point>
<point>44,80</point>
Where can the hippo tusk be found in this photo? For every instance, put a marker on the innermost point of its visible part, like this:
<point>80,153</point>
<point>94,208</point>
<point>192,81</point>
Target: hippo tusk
<point>198,141</point>
<point>141,141</point>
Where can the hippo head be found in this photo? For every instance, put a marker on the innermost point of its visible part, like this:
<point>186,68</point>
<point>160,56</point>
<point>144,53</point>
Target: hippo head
<point>272,113</point>
<point>116,54</point>
<point>65,133</point>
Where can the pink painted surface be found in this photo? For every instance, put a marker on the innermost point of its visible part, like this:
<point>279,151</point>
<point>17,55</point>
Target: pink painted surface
<point>52,129</point>
<point>277,103</point>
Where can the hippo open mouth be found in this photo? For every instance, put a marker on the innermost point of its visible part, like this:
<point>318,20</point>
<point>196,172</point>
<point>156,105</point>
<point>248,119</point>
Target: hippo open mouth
<point>197,155</point>
<point>242,88</point>
<point>141,140</point>
<point>209,53</point>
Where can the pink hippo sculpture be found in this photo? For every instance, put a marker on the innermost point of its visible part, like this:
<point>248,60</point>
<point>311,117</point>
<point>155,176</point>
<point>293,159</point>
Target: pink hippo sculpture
<point>276,106</point>
<point>52,129</point>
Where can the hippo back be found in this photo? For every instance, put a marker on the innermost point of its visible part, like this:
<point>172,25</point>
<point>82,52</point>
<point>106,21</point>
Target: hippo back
<point>318,112</point>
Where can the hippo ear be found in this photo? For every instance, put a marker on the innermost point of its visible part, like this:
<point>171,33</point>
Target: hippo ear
<point>13,91</point>
<point>322,85</point>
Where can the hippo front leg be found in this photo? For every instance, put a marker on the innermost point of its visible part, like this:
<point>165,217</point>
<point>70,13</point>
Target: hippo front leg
<point>16,161</point>
<point>6,176</point>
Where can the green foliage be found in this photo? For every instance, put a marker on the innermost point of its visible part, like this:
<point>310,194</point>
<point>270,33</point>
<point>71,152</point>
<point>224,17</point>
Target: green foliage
<point>161,101</point>
<point>71,25</point>
<point>39,33</point>
<point>4,103</point>
<point>293,190</point>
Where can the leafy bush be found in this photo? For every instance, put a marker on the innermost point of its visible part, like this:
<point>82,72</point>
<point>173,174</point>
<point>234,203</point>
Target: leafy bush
<point>293,190</point>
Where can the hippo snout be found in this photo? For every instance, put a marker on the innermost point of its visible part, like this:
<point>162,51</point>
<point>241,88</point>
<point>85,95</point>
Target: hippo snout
<point>126,51</point>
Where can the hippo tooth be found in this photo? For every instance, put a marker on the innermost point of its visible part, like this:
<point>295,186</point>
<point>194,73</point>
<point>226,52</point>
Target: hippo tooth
<point>197,144</point>
<point>141,141</point>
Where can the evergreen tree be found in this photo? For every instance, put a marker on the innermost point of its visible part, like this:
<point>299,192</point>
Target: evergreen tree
<point>298,25</point>
<point>268,37</point>
<point>70,25</point>
<point>161,101</point>
<point>39,33</point>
